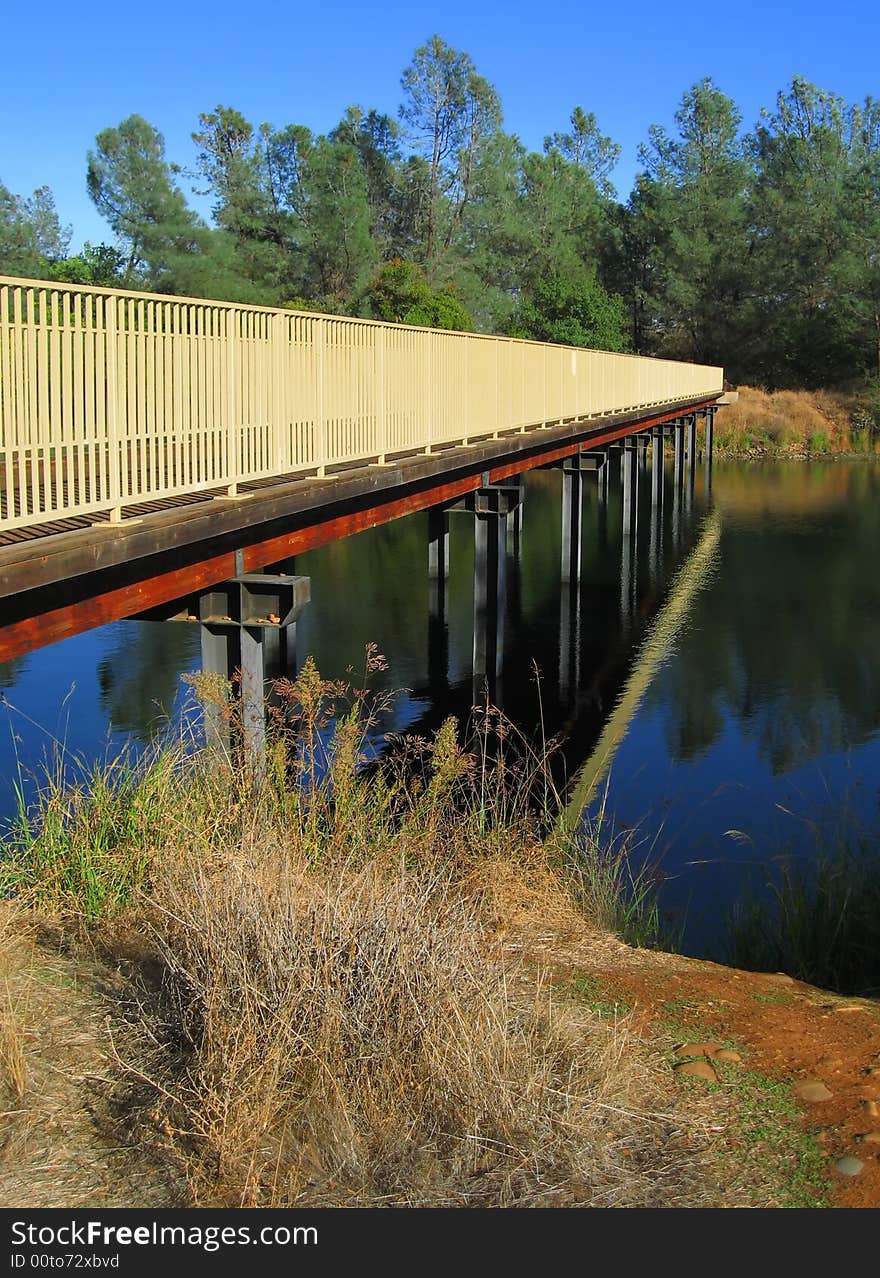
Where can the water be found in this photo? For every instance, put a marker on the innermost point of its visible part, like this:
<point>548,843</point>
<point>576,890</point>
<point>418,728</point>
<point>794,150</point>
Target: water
<point>730,674</point>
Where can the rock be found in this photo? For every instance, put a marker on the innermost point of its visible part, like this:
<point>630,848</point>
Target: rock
<point>697,1049</point>
<point>849,1166</point>
<point>726,1054</point>
<point>697,1069</point>
<point>812,1090</point>
<point>872,1108</point>
<point>871,1138</point>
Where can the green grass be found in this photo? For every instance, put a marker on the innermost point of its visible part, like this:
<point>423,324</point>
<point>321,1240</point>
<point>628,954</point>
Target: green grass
<point>84,843</point>
<point>588,990</point>
<point>769,1130</point>
<point>818,917</point>
<point>767,1147</point>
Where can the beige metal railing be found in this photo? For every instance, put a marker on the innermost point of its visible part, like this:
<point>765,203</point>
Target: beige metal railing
<point>112,398</point>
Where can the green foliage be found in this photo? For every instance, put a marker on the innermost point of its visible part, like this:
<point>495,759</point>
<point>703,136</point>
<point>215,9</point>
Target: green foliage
<point>84,846</point>
<point>451,112</point>
<point>574,312</point>
<point>31,236</point>
<point>755,249</point>
<point>99,265</point>
<point>401,294</point>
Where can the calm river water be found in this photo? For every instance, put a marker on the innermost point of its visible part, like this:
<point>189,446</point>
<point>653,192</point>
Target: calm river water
<point>733,692</point>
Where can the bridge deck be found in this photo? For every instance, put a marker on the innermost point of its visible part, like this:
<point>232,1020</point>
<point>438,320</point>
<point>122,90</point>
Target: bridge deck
<point>62,582</point>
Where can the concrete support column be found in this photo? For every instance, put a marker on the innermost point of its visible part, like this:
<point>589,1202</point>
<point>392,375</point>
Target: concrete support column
<point>489,565</point>
<point>678,468</point>
<point>515,518</point>
<point>236,653</point>
<point>438,561</point>
<point>678,481</point>
<point>572,499</point>
<point>710,432</point>
<point>604,479</point>
<point>691,457</point>
<point>218,660</point>
<point>629,538</point>
<point>438,543</point>
<point>657,466</point>
<point>253,701</point>
<point>630,476</point>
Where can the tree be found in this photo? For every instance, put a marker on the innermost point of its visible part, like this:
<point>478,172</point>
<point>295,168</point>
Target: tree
<point>588,148</point>
<point>574,311</point>
<point>688,232</point>
<point>400,294</point>
<point>165,244</point>
<point>236,162</point>
<point>132,186</point>
<point>31,235</point>
<point>816,203</point>
<point>375,139</point>
<point>451,112</point>
<point>99,265</point>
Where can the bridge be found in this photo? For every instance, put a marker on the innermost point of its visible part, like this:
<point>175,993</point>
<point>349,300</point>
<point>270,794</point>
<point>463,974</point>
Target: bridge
<point>155,450</point>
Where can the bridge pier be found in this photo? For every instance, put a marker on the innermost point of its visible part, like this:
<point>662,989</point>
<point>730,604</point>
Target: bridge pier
<point>248,636</point>
<point>657,467</point>
<point>691,458</point>
<point>438,561</point>
<point>678,465</point>
<point>630,477</point>
<point>515,518</point>
<point>710,432</point>
<point>489,565</point>
<point>629,539</point>
<point>572,511</point>
<point>491,507</point>
<point>604,479</point>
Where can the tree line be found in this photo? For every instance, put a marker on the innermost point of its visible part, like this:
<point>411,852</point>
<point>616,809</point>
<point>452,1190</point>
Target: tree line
<point>753,249</point>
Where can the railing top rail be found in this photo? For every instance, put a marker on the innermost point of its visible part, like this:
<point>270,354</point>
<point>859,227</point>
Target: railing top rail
<point>61,286</point>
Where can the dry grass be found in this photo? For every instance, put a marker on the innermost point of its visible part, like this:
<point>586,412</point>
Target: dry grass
<point>792,422</point>
<point>59,1143</point>
<point>320,1006</point>
<point>13,1018</point>
<point>350,1036</point>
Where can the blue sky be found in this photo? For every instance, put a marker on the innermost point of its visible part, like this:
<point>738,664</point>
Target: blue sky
<point>71,70</point>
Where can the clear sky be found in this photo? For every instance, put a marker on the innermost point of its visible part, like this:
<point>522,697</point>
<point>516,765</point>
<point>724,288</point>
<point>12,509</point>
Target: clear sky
<point>70,70</point>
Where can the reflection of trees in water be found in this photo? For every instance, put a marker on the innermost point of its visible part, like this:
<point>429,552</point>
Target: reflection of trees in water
<point>787,640</point>
<point>11,671</point>
<point>367,589</point>
<point>139,674</point>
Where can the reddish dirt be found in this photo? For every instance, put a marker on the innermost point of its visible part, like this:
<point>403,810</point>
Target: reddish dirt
<point>783,1028</point>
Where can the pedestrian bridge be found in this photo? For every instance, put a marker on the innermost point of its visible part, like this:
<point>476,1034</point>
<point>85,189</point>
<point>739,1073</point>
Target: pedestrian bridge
<point>151,447</point>
<point>112,400</point>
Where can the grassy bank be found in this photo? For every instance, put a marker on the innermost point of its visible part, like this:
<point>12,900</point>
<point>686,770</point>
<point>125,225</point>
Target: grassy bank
<point>799,423</point>
<point>314,1007</point>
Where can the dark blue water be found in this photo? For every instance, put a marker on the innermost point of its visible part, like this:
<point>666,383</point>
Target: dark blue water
<point>761,719</point>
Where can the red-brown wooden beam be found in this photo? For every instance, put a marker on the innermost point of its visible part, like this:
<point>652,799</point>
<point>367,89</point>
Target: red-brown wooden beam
<point>50,625</point>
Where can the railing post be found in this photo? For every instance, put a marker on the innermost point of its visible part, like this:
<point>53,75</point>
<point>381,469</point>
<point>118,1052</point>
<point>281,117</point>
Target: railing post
<point>381,423</point>
<point>232,423</point>
<point>280,416</point>
<point>320,426</point>
<point>114,457</point>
